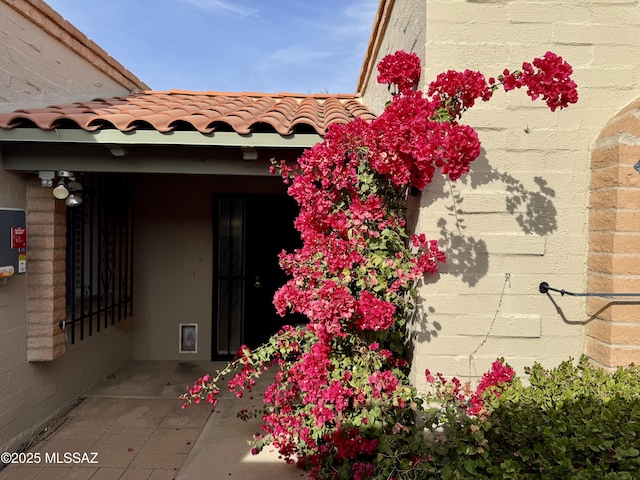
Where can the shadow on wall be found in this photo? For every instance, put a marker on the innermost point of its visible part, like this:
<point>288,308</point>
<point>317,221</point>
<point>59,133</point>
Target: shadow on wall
<point>606,306</point>
<point>467,255</point>
<point>534,210</point>
<point>420,327</point>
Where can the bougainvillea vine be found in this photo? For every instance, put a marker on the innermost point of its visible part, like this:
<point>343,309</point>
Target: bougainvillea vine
<point>341,399</point>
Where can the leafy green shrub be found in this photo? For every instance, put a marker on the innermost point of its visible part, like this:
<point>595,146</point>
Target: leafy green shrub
<point>572,422</point>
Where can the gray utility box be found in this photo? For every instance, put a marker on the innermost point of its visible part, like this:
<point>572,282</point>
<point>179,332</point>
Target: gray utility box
<point>13,242</point>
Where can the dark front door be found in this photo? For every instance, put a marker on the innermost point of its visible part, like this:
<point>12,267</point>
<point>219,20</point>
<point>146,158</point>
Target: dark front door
<point>249,233</point>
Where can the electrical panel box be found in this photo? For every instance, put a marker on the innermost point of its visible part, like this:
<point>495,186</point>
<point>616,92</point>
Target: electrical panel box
<point>13,242</point>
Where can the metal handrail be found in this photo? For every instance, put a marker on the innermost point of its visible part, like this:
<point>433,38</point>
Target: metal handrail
<point>544,288</point>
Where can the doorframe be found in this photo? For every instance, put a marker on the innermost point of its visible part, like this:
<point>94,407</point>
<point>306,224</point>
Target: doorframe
<point>217,196</point>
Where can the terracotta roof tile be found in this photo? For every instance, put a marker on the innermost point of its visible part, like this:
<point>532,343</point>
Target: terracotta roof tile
<point>204,112</point>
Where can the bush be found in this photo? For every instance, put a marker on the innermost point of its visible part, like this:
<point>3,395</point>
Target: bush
<point>573,422</point>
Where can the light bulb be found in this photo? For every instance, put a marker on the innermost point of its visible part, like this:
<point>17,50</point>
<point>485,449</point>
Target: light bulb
<point>60,192</point>
<point>73,200</point>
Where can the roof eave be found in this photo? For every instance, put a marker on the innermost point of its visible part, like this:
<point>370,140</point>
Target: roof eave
<point>375,41</point>
<point>153,137</point>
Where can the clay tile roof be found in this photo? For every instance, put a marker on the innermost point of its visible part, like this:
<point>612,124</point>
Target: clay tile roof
<point>283,113</point>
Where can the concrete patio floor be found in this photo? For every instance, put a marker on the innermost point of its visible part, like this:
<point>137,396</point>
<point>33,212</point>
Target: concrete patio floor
<point>135,426</point>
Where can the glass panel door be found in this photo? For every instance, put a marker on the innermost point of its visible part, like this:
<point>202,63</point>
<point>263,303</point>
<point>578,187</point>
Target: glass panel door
<point>249,233</point>
<point>230,276</point>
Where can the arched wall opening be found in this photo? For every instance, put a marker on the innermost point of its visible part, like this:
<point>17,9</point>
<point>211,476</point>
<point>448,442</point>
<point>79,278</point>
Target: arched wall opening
<point>613,263</point>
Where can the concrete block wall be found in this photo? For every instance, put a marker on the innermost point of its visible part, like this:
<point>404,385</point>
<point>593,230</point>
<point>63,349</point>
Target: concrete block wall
<point>44,60</point>
<point>521,216</point>
<point>46,294</point>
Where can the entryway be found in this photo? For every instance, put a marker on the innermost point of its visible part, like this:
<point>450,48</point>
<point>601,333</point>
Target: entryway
<point>249,233</point>
<point>132,426</point>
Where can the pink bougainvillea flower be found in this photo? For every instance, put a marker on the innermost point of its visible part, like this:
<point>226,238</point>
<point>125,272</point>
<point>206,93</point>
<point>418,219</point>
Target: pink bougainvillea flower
<point>494,380</point>
<point>401,69</point>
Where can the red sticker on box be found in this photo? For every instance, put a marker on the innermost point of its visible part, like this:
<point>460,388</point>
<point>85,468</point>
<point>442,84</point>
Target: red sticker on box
<point>18,237</point>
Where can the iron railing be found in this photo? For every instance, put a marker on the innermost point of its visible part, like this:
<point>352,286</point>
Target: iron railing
<point>99,281</point>
<point>545,288</point>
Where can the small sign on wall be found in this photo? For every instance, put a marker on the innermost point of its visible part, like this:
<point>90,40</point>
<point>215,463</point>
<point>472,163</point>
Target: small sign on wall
<point>188,338</point>
<point>18,238</point>
<point>19,242</point>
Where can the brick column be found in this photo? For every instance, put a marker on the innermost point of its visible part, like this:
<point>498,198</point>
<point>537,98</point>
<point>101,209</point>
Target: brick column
<point>613,334</point>
<point>46,302</point>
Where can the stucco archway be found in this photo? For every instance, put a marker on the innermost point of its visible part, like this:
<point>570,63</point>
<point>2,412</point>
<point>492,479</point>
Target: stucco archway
<point>613,333</point>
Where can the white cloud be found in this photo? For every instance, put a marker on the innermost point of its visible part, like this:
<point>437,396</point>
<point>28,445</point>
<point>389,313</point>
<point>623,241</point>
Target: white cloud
<point>224,5</point>
<point>298,55</point>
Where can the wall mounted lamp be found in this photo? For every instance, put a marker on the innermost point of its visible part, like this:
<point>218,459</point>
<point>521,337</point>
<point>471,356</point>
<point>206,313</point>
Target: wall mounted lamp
<point>73,200</point>
<point>61,192</point>
<point>65,188</point>
<point>46,178</point>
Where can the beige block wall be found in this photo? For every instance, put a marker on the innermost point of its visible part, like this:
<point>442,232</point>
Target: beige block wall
<point>520,217</point>
<point>173,261</point>
<point>37,70</point>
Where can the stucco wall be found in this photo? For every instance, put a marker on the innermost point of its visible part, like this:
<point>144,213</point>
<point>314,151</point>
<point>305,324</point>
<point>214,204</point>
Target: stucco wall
<point>173,260</point>
<point>521,216</point>
<point>37,70</point>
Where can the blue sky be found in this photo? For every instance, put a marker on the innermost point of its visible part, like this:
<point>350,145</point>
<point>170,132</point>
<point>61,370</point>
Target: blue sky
<point>301,46</point>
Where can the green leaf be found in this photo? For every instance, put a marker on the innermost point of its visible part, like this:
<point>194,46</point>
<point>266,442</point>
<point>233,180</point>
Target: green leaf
<point>470,466</point>
<point>633,452</point>
<point>447,472</point>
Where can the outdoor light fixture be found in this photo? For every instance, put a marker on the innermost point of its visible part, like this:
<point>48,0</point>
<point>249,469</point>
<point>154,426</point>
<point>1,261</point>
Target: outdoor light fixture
<point>65,188</point>
<point>637,166</point>
<point>73,200</point>
<point>61,192</point>
<point>46,178</point>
